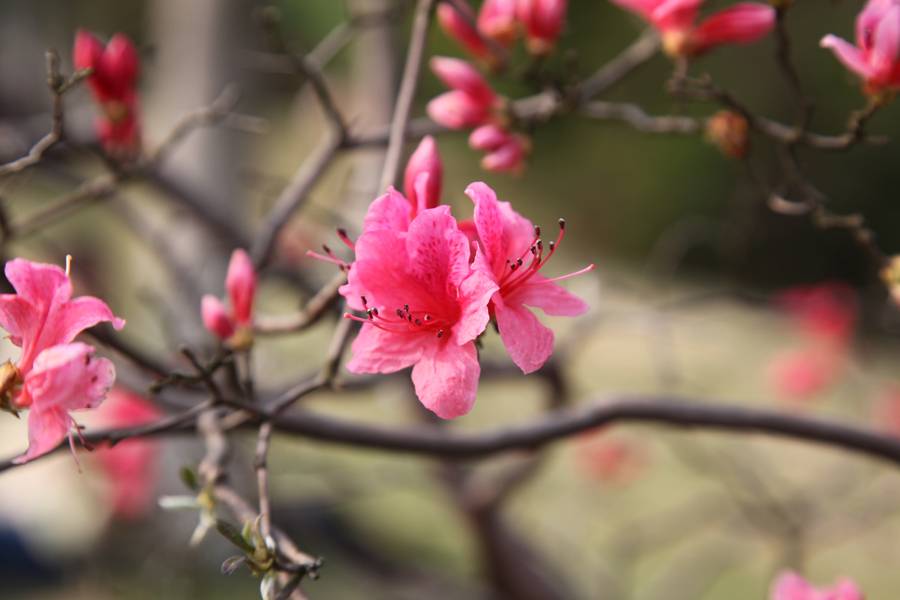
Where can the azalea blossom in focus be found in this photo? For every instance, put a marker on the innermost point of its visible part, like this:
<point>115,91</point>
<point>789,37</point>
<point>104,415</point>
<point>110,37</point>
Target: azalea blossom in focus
<point>234,324</point>
<point>113,82</point>
<point>876,56</point>
<point>424,304</point>
<point>131,465</point>
<point>682,34</point>
<point>53,375</point>
<point>513,253</point>
<point>791,586</point>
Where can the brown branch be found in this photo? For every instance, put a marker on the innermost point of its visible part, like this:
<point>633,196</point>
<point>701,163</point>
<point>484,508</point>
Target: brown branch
<point>405,96</point>
<point>58,87</point>
<point>315,308</point>
<point>634,115</point>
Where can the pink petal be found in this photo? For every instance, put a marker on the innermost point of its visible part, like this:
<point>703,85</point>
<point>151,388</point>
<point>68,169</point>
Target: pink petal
<point>75,316</point>
<point>438,251</point>
<point>503,233</point>
<point>543,21</point>
<point>497,20</point>
<point>886,42</point>
<point>739,24</point>
<point>457,110</point>
<point>459,75</point>
<point>384,287</point>
<point>38,283</point>
<point>458,28</point>
<point>790,586</point>
<point>488,137</point>
<point>475,294</point>
<point>846,589</point>
<point>16,317</point>
<point>240,283</point>
<point>426,160</point>
<point>215,317</point>
<point>391,211</point>
<point>378,351</point>
<point>849,55</point>
<point>68,376</point>
<point>528,343</point>
<point>675,14</point>
<point>550,297</point>
<point>120,64</point>
<point>446,378</point>
<point>508,158</point>
<point>46,430</point>
<point>867,21</point>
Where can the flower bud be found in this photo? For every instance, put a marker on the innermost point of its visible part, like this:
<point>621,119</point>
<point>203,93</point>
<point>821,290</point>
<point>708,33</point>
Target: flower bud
<point>508,158</point>
<point>497,20</point>
<point>215,317</point>
<point>426,160</point>
<point>121,64</point>
<point>459,75</point>
<point>488,137</point>
<point>729,132</point>
<point>240,283</point>
<point>543,22</point>
<point>459,28</point>
<point>457,110</point>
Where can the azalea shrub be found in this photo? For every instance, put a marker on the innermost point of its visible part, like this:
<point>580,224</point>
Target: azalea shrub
<point>228,336</point>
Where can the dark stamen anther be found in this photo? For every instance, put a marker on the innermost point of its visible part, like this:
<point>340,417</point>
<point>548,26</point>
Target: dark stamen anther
<point>364,301</point>
<point>562,223</point>
<point>518,262</point>
<point>440,333</point>
<point>537,231</point>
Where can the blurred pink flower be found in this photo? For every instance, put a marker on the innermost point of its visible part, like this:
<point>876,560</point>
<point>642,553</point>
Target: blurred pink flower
<point>676,21</point>
<point>543,21</point>
<point>497,20</point>
<point>803,373</point>
<point>131,465</point>
<point>876,55</point>
<point>609,459</point>
<point>114,84</point>
<point>512,253</point>
<point>887,410</point>
<point>471,101</point>
<point>791,586</point>
<point>235,325</point>
<point>423,176</point>
<point>458,27</point>
<point>425,304</point>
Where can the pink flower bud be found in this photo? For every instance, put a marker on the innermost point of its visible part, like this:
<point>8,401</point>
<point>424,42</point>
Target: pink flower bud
<point>488,137</point>
<point>543,22</point>
<point>497,20</point>
<point>459,75</point>
<point>457,110</point>
<point>425,160</point>
<point>121,64</point>
<point>876,56</point>
<point>741,23</point>
<point>87,50</point>
<point>240,283</point>
<point>215,317</point>
<point>459,28</point>
<point>508,158</point>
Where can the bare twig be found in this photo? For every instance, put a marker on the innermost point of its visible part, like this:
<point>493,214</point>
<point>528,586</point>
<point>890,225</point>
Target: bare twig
<point>315,308</point>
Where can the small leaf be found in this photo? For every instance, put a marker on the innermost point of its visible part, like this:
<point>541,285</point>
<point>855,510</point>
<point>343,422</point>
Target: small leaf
<point>189,478</point>
<point>233,535</point>
<point>232,564</point>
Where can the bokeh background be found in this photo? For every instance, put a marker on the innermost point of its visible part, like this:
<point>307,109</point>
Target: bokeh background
<point>688,257</point>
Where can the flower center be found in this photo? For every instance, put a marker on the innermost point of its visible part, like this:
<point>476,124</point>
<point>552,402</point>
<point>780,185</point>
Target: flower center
<point>404,320</point>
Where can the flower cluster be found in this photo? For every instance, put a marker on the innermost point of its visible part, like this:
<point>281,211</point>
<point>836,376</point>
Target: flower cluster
<point>54,375</point>
<point>233,325</point>
<point>790,586</point>
<point>876,56</point>
<point>113,82</point>
<point>539,21</point>
<point>472,103</point>
<point>682,35</point>
<point>825,316</point>
<point>429,285</point>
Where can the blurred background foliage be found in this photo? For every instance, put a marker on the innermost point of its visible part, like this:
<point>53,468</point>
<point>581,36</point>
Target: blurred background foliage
<point>708,516</point>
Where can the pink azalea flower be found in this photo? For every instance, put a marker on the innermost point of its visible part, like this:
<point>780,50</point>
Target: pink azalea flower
<point>543,21</point>
<point>63,378</point>
<point>497,20</point>
<point>424,172</point>
<point>131,465</point>
<point>457,27</point>
<point>52,376</point>
<point>676,21</point>
<point>512,254</point>
<point>876,56</point>
<point>425,304</point>
<point>233,325</point>
<point>114,84</point>
<point>791,586</point>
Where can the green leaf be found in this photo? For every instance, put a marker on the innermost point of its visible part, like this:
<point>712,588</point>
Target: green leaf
<point>189,478</point>
<point>233,535</point>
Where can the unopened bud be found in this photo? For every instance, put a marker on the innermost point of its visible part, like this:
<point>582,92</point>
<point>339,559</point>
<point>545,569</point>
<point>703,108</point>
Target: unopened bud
<point>729,132</point>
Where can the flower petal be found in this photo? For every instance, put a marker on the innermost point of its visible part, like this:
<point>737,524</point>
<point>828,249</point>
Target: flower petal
<point>446,378</point>
<point>240,283</point>
<point>550,297</point>
<point>69,377</point>
<point>475,294</point>
<point>742,23</point>
<point>46,429</point>
<point>504,233</point>
<point>527,341</point>
<point>849,55</point>
<point>438,252</point>
<point>391,211</point>
<point>215,317</point>
<point>378,351</point>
